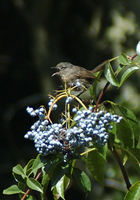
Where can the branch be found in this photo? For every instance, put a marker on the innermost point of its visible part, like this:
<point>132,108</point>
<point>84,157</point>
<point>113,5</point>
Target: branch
<point>123,170</point>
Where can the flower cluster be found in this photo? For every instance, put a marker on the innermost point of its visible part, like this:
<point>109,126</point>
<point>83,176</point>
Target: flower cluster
<point>89,127</point>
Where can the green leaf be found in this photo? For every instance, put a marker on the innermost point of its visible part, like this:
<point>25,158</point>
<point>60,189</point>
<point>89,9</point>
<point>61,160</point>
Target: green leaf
<point>50,163</point>
<point>133,153</point>
<point>34,185</point>
<point>30,197</point>
<point>95,163</point>
<point>37,164</point>
<point>125,134</point>
<point>132,121</point>
<point>45,179</point>
<point>111,139</point>
<point>123,59</point>
<point>85,181</point>
<point>134,192</point>
<point>12,190</point>
<point>128,73</point>
<point>92,91</point>
<point>129,127</point>
<point>109,74</point>
<point>119,69</point>
<point>59,172</point>
<point>22,185</point>
<point>103,150</point>
<point>19,170</point>
<point>60,187</point>
<point>82,180</point>
<point>128,114</point>
<point>138,142</point>
<point>59,180</point>
<point>27,168</point>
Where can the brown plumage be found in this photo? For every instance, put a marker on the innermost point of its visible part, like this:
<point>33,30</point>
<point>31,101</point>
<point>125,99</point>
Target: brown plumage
<point>71,74</point>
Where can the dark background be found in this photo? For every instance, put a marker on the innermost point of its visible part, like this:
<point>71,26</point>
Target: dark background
<point>36,35</point>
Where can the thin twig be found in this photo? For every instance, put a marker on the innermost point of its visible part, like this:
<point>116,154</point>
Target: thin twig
<point>101,95</point>
<point>132,57</point>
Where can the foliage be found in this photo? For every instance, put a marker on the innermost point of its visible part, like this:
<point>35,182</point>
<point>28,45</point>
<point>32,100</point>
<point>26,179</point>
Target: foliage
<point>56,171</point>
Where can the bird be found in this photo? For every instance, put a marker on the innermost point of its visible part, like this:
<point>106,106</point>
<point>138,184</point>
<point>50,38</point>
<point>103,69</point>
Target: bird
<point>73,75</point>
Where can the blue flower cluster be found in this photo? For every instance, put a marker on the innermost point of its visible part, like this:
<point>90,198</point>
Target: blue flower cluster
<point>89,127</point>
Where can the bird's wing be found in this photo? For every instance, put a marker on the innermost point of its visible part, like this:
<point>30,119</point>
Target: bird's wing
<point>84,73</point>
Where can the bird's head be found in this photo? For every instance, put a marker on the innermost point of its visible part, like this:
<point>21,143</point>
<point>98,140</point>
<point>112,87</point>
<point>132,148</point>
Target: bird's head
<point>61,67</point>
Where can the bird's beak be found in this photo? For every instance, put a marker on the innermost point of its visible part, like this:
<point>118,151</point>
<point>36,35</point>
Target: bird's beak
<point>56,73</point>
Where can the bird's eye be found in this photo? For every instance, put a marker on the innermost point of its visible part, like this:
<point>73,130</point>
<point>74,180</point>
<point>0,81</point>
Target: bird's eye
<point>63,67</point>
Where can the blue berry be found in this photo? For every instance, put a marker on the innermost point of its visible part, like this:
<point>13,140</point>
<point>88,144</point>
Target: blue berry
<point>68,100</point>
<point>78,84</point>
<point>50,103</point>
<point>74,110</point>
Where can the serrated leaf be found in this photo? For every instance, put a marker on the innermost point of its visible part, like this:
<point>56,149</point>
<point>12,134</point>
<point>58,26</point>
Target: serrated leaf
<point>12,190</point>
<point>109,74</point>
<point>34,185</point>
<point>95,163</point>
<point>134,192</point>
<point>128,73</point>
<point>19,170</point>
<point>123,60</point>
